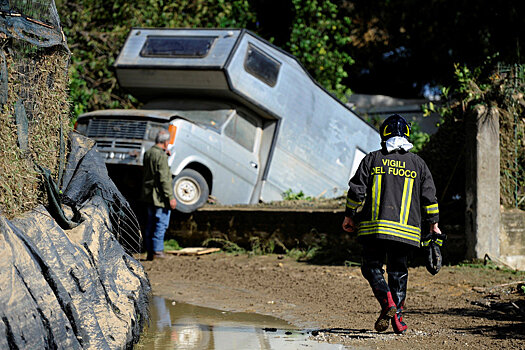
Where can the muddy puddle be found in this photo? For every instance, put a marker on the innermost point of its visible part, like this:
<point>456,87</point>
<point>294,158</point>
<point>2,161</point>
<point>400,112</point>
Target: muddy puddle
<point>176,325</point>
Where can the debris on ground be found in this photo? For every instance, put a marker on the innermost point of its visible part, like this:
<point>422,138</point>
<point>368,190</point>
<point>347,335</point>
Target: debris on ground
<point>193,251</point>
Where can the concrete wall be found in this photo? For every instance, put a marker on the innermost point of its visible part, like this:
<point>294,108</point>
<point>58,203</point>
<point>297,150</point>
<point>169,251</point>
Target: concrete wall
<point>292,227</point>
<point>295,228</point>
<point>489,229</point>
<point>512,238</point>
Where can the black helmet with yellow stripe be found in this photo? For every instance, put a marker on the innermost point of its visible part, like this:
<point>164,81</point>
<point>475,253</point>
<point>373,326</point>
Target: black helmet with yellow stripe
<point>395,125</point>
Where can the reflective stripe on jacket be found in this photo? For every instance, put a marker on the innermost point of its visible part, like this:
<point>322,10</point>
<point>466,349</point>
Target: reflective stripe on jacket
<point>399,193</point>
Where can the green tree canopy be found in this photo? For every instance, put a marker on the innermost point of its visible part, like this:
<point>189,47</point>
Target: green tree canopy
<point>320,40</point>
<point>399,48</point>
<point>97,29</point>
<point>403,47</point>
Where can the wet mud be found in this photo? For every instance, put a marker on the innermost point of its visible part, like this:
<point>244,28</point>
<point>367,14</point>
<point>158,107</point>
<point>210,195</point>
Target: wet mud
<point>461,307</point>
<point>175,325</point>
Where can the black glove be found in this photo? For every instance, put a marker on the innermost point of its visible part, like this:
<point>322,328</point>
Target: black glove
<point>434,258</point>
<point>431,244</point>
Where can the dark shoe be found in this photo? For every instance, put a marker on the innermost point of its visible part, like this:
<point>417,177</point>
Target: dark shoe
<point>397,323</point>
<point>159,255</point>
<point>389,310</point>
<point>149,256</point>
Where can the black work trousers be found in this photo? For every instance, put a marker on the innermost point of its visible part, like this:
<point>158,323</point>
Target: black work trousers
<point>375,253</point>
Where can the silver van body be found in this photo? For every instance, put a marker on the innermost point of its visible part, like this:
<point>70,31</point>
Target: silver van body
<point>246,113</point>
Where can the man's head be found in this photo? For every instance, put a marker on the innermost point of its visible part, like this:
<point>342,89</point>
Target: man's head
<point>395,125</point>
<point>162,138</point>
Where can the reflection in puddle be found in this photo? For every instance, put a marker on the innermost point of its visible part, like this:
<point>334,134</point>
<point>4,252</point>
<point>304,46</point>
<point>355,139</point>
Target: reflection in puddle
<point>182,326</point>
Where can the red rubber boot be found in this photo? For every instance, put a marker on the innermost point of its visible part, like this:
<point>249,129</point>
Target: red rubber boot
<point>399,326</point>
<point>388,312</point>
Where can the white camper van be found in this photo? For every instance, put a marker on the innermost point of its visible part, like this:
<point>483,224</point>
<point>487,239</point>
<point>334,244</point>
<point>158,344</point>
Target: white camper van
<point>247,122</point>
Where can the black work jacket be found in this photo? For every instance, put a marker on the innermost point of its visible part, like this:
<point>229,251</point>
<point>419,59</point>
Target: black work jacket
<point>399,192</point>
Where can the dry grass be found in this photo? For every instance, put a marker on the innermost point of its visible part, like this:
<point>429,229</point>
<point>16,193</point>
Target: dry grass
<point>38,78</point>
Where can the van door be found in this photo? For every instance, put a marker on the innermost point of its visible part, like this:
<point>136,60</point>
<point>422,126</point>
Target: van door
<point>240,155</point>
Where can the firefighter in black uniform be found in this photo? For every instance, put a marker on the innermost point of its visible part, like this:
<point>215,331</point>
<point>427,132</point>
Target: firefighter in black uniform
<point>400,203</point>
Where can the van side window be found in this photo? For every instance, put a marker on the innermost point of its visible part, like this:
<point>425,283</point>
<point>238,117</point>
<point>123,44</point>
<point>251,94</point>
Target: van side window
<point>173,46</point>
<point>241,131</point>
<point>262,66</point>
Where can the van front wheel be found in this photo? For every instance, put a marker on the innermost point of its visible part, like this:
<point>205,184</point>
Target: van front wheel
<point>191,190</point>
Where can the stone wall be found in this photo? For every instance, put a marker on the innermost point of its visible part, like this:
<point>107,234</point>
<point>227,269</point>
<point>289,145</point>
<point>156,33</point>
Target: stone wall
<point>512,238</point>
<point>294,228</point>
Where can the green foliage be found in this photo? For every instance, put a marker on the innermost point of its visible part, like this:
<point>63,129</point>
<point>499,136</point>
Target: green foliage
<point>375,120</point>
<point>418,137</point>
<point>265,246</point>
<point>289,195</point>
<point>490,265</point>
<point>303,254</point>
<point>226,245</point>
<point>320,39</point>
<point>259,246</point>
<point>79,92</point>
<point>523,289</point>
<point>97,29</point>
<point>171,244</point>
<point>494,87</point>
<point>395,42</point>
<point>349,263</point>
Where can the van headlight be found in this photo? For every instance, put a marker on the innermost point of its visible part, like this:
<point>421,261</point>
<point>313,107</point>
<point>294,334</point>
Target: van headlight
<point>81,128</point>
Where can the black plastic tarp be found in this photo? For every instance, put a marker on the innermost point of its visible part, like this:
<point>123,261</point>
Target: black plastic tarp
<point>74,288</point>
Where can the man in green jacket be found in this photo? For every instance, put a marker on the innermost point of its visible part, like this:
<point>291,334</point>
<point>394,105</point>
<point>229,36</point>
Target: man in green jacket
<point>158,194</point>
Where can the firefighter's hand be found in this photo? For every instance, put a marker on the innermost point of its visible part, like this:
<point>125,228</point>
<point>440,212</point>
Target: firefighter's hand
<point>173,203</point>
<point>349,225</point>
<point>434,228</point>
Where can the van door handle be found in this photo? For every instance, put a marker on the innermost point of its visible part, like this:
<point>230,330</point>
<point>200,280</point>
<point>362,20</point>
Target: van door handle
<point>254,165</point>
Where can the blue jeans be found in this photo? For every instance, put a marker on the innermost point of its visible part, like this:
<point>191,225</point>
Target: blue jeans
<point>158,221</point>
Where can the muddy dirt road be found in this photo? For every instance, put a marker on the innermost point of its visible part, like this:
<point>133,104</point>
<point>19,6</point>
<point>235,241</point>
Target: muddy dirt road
<point>456,309</point>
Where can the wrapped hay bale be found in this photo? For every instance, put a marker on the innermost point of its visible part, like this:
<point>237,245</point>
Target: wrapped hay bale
<point>34,114</point>
<point>65,280</point>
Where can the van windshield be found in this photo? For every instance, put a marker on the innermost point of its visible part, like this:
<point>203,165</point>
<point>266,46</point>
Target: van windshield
<point>208,119</point>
